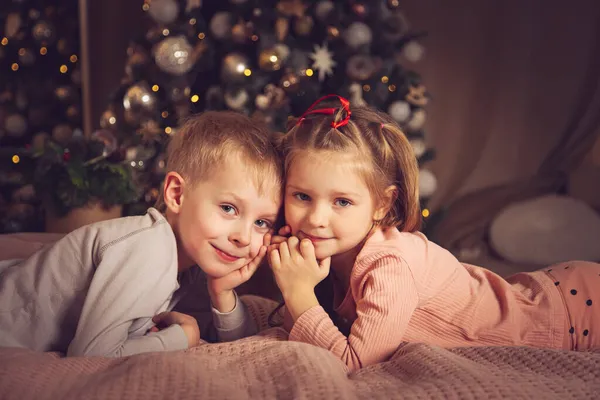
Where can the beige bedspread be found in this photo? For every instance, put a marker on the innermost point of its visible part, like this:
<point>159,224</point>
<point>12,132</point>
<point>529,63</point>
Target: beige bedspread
<point>267,366</point>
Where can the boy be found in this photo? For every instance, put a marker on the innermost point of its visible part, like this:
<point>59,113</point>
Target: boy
<point>108,289</point>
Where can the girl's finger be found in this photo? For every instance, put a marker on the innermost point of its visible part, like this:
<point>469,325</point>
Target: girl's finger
<point>307,249</point>
<point>274,260</point>
<point>325,264</point>
<point>293,243</point>
<point>284,252</point>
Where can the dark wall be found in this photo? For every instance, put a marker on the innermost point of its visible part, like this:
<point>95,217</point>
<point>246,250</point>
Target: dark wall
<point>110,21</point>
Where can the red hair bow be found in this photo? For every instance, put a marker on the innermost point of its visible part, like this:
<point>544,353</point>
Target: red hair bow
<point>329,111</point>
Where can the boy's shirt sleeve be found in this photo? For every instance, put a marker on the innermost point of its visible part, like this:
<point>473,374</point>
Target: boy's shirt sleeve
<point>236,324</point>
<point>135,278</point>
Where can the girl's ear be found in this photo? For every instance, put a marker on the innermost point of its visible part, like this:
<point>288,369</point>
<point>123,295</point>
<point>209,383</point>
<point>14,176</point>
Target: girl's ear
<point>387,202</point>
<point>173,192</point>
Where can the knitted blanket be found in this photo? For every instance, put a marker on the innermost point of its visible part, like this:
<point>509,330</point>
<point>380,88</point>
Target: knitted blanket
<point>267,366</point>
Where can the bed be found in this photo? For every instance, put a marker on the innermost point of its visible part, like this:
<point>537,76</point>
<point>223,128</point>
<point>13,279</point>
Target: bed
<point>267,366</point>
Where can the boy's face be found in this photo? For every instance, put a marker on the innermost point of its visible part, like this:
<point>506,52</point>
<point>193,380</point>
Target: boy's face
<point>221,222</point>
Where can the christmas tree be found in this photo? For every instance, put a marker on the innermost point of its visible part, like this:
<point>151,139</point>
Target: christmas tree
<point>39,97</point>
<point>45,160</point>
<point>267,59</point>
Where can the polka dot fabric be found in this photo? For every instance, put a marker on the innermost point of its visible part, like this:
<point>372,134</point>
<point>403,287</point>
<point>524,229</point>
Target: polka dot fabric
<point>579,286</point>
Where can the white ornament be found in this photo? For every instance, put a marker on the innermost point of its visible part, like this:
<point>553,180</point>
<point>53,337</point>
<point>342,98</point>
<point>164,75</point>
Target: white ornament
<point>220,24</point>
<point>418,146</point>
<point>323,8</point>
<point>174,55</point>
<point>15,125</point>
<point>164,11</point>
<point>261,102</point>
<point>236,100</point>
<point>193,4</point>
<point>356,94</point>
<point>358,34</point>
<point>282,50</point>
<point>399,110</point>
<point>427,183</point>
<point>322,61</point>
<point>413,51</point>
<point>418,120</point>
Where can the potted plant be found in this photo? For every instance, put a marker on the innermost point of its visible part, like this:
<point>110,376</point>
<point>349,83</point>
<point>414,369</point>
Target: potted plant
<point>82,181</point>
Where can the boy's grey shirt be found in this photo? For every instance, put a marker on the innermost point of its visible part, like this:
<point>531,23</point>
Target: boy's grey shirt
<point>95,291</point>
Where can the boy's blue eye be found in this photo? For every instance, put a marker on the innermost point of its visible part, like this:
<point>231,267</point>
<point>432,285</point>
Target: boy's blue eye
<point>343,202</point>
<point>302,196</point>
<point>228,209</point>
<point>261,223</point>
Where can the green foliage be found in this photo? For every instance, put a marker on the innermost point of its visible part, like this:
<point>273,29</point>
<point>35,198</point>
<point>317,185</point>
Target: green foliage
<point>68,177</point>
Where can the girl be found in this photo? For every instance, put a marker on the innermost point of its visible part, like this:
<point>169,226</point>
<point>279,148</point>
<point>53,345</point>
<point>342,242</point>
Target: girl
<point>352,209</point>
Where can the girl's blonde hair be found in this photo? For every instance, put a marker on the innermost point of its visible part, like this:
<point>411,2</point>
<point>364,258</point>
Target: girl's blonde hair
<point>377,141</point>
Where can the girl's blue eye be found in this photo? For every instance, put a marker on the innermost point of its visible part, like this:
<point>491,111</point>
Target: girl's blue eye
<point>302,196</point>
<point>343,202</point>
<point>228,209</point>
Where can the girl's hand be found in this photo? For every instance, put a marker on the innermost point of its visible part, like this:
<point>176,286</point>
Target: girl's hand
<point>296,268</point>
<point>276,240</point>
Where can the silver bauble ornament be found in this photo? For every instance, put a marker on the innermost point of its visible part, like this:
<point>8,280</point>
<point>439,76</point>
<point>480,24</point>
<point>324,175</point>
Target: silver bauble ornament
<point>15,125</point>
<point>139,103</point>
<point>174,55</point>
<point>164,11</point>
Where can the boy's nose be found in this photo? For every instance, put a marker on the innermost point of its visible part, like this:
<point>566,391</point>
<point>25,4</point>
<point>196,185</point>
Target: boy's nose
<point>241,236</point>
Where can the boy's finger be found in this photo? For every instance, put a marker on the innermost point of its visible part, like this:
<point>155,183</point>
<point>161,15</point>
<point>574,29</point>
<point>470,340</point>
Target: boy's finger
<point>253,265</point>
<point>285,230</point>
<point>278,239</point>
<point>267,239</point>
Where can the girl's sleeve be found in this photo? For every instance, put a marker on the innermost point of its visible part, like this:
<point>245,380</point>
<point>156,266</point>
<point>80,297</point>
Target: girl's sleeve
<point>386,298</point>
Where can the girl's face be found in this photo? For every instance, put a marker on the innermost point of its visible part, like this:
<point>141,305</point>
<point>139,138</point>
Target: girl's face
<point>328,202</point>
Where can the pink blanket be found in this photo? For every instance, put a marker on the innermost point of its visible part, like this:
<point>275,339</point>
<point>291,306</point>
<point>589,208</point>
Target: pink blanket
<point>267,366</point>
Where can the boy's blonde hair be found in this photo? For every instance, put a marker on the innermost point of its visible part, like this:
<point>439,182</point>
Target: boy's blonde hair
<point>206,140</point>
<point>379,144</point>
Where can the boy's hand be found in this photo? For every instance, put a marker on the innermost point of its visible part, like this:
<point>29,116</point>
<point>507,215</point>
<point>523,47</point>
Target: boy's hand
<point>221,289</point>
<point>187,322</point>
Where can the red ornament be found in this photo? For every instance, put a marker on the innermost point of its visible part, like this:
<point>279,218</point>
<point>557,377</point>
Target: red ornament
<point>66,155</point>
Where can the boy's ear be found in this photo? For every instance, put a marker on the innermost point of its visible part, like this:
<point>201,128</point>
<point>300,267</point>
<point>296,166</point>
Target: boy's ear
<point>173,192</point>
<point>389,197</point>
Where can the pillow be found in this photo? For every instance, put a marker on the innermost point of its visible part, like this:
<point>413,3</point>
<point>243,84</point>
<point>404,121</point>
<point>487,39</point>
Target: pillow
<point>547,230</point>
